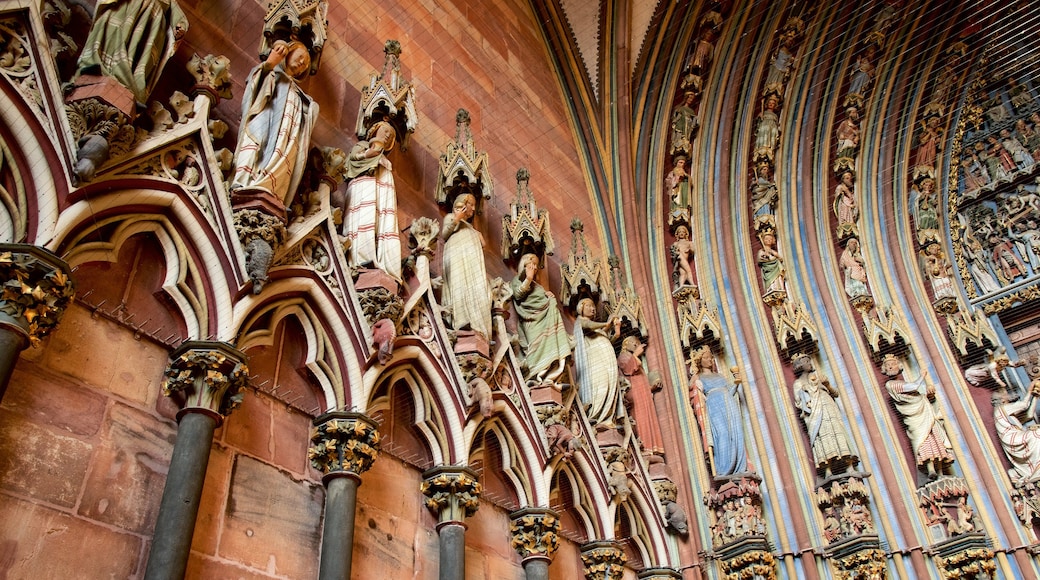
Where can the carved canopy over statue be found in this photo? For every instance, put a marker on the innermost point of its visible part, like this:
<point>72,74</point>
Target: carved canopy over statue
<point>131,40</point>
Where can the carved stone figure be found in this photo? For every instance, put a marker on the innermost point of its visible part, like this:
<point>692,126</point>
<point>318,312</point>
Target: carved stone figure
<point>763,192</point>
<point>767,133</point>
<point>684,123</point>
<point>480,395</point>
<point>928,144</point>
<point>543,338</point>
<point>717,407</point>
<point>595,364</point>
<point>562,440</point>
<point>992,368</point>
<point>675,516</point>
<point>846,208</point>
<point>1021,443</point>
<point>862,73</point>
<point>781,65</point>
<point>371,219</point>
<point>678,183</point>
<point>851,263</point>
<point>617,481</point>
<point>383,335</point>
<point>847,133</point>
<point>939,271</point>
<point>131,40</point>
<point>771,263</point>
<point>1006,262</point>
<point>465,291</point>
<point>1019,154</point>
<point>640,397</point>
<point>277,120</point>
<point>815,398</point>
<point>913,402</point>
<point>682,258</point>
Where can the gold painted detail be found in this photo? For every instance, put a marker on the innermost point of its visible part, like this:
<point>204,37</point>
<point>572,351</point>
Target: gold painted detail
<point>36,289</point>
<point>343,441</point>
<point>206,375</point>
<point>603,560</point>
<point>452,492</point>
<point>535,533</point>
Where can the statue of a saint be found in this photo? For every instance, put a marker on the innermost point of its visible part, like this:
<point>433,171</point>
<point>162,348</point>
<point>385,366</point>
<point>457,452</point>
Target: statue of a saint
<point>595,364</point>
<point>913,402</point>
<point>640,397</point>
<point>465,292</point>
<point>717,405</point>
<point>815,398</point>
<point>543,338</point>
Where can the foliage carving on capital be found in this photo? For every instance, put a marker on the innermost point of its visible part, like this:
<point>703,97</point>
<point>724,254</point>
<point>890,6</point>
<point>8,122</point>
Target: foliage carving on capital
<point>452,492</point>
<point>212,74</point>
<point>603,560</point>
<point>343,441</point>
<point>972,563</point>
<point>535,533</point>
<point>206,376</point>
<point>36,289</point>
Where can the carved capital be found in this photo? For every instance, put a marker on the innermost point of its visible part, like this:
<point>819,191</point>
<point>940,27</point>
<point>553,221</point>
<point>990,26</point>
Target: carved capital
<point>866,563</point>
<point>603,560</point>
<point>452,491</point>
<point>971,563</point>
<point>206,376</point>
<point>535,533</point>
<point>36,289</point>
<point>212,75</point>
<point>343,442</point>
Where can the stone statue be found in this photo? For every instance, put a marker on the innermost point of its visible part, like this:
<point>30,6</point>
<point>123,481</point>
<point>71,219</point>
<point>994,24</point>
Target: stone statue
<point>846,208</point>
<point>682,258</point>
<point>543,338</point>
<point>277,120</point>
<point>678,183</point>
<point>617,481</point>
<point>764,194</point>
<point>371,219</point>
<point>851,263</point>
<point>1021,443</point>
<point>684,123</point>
<point>131,40</point>
<point>595,364</point>
<point>847,133</point>
<point>913,402</point>
<point>815,398</point>
<point>771,263</point>
<point>481,396</point>
<point>716,404</point>
<point>767,133</point>
<point>465,291</point>
<point>862,73</point>
<point>640,398</point>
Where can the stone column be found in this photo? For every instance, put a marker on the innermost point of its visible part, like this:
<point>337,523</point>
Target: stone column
<point>603,560</point>
<point>659,574</point>
<point>453,494</point>
<point>204,378</point>
<point>536,536</point>
<point>343,446</point>
<point>35,289</point>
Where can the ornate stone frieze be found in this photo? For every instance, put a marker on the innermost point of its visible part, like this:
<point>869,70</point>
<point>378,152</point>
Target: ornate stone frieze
<point>463,169</point>
<point>16,61</point>
<point>206,376</point>
<point>212,75</point>
<point>944,502</point>
<point>452,492</point>
<point>183,163</point>
<point>603,560</point>
<point>535,533</point>
<point>863,564</point>
<point>736,510</point>
<point>582,275</point>
<point>343,441</point>
<point>845,504</point>
<point>751,560</point>
<point>36,289</point>
<point>969,557</point>
<point>525,229</point>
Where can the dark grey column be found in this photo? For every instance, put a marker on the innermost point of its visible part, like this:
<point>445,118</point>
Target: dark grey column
<point>453,494</point>
<point>204,378</point>
<point>29,315</point>
<point>535,536</point>
<point>344,446</point>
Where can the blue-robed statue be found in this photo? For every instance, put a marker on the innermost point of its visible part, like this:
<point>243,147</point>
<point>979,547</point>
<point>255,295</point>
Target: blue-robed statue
<point>716,403</point>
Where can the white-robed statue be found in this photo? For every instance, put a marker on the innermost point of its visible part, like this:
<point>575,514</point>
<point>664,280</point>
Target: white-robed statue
<point>595,364</point>
<point>277,121</point>
<point>371,220</point>
<point>1021,442</point>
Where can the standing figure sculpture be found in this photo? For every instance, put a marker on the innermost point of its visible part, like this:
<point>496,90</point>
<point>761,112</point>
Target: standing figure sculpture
<point>682,258</point>
<point>846,208</point>
<point>131,40</point>
<point>595,364</point>
<point>851,263</point>
<point>277,120</point>
<point>716,404</point>
<point>815,398</point>
<point>677,181</point>
<point>913,402</point>
<point>543,338</point>
<point>371,220</point>
<point>684,123</point>
<point>1021,444</point>
<point>465,293</point>
<point>640,398</point>
<point>771,263</point>
<point>767,133</point>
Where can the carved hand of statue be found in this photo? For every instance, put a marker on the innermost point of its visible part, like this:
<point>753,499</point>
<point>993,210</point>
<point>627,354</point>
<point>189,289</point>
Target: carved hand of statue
<point>277,55</point>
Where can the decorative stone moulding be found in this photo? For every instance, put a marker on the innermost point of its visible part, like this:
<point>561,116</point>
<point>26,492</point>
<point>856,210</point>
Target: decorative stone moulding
<point>343,442</point>
<point>452,492</point>
<point>37,288</point>
<point>535,532</point>
<point>206,376</point>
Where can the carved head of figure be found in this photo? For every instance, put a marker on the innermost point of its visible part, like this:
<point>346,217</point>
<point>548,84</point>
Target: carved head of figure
<point>528,266</point>
<point>297,59</point>
<point>891,366</point>
<point>704,360</point>
<point>465,206</point>
<point>633,345</point>
<point>587,308</point>
<point>682,232</point>
<point>802,364</point>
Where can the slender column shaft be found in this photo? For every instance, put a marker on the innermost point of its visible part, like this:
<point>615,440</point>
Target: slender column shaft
<point>536,569</point>
<point>12,343</point>
<point>337,541</point>
<point>453,551</point>
<point>180,502</point>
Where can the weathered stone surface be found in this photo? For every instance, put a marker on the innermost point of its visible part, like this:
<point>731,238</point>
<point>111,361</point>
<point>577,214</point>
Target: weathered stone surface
<point>486,530</point>
<point>249,426</point>
<point>44,398</point>
<point>272,522</point>
<point>290,438</point>
<point>37,542</point>
<point>129,470</point>
<point>567,563</point>
<point>392,486</point>
<point>203,568</point>
<point>383,541</point>
<point>501,569</point>
<point>41,463</point>
<point>214,496</point>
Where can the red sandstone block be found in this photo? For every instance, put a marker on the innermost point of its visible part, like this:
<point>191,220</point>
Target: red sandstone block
<point>38,542</point>
<point>201,567</point>
<point>290,439</point>
<point>272,522</point>
<point>249,426</point>
<point>214,498</point>
<point>384,541</point>
<point>128,471</point>
<point>45,398</point>
<point>41,463</point>
<point>489,533</point>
